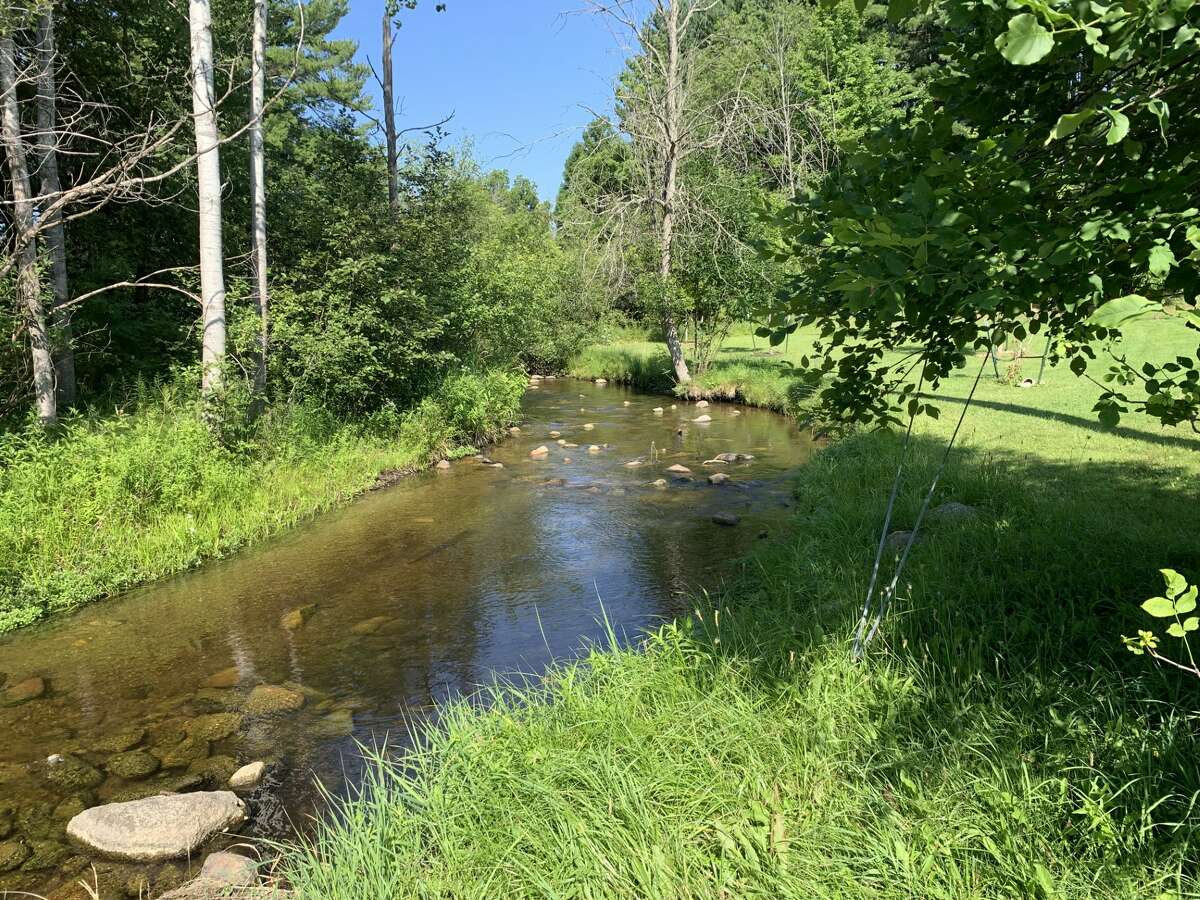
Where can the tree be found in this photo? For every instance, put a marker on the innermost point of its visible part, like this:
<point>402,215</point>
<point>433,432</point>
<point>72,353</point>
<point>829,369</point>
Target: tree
<point>208,185</point>
<point>50,188</point>
<point>29,286</point>
<point>258,192</point>
<point>1047,188</point>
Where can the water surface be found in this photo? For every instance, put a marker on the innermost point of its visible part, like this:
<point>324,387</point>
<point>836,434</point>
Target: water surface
<point>408,596</point>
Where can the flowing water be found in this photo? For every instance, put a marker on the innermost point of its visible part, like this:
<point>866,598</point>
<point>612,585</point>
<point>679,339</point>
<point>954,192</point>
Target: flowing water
<point>372,614</point>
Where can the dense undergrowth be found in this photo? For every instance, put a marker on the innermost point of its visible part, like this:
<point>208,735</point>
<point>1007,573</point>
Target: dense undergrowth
<point>998,742</point>
<point>114,500</point>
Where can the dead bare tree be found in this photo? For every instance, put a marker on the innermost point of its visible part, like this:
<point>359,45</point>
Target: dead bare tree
<point>664,124</point>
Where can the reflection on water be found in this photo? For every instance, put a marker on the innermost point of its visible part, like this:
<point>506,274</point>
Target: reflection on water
<point>373,613</point>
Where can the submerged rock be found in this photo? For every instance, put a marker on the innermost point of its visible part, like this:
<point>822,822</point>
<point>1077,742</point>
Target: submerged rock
<point>718,478</point>
<point>680,470</point>
<point>157,828</point>
<point>727,519</point>
<point>539,451</point>
<point>701,404</point>
<point>13,854</point>
<point>701,420</point>
<point>295,619</point>
<point>659,483</point>
<point>226,678</point>
<point>338,723</point>
<point>216,770</point>
<point>70,773</point>
<point>273,700</point>
<point>368,626</point>
<point>182,753</point>
<point>658,410</point>
<point>215,726</point>
<point>120,741</point>
<point>443,464</point>
<point>209,700</point>
<point>224,874</point>
<point>132,766</point>
<point>589,426</point>
<point>23,691</point>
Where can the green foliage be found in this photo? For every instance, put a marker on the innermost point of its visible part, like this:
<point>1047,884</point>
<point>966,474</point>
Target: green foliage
<point>1178,602</point>
<point>116,500</point>
<point>1044,188</point>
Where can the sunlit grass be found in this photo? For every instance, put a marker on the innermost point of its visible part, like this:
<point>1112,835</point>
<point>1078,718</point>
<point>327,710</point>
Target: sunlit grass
<point>120,500</point>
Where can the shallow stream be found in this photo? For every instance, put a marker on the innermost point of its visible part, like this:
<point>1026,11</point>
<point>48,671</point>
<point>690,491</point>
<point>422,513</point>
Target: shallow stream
<point>372,614</point>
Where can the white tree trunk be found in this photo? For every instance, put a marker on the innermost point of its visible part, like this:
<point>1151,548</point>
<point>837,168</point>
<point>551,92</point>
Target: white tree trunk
<point>258,193</point>
<point>50,187</point>
<point>389,116</point>
<point>672,127</point>
<point>208,183</point>
<point>29,288</point>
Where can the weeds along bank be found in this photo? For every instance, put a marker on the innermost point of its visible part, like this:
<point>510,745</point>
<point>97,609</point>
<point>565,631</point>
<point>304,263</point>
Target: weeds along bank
<point>115,501</point>
<point>998,740</point>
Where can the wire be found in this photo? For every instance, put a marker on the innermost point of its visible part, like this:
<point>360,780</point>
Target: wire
<point>885,600</point>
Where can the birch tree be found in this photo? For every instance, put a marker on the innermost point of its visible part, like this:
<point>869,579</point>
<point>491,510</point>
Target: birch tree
<point>258,193</point>
<point>24,235</point>
<point>50,188</point>
<point>208,184</point>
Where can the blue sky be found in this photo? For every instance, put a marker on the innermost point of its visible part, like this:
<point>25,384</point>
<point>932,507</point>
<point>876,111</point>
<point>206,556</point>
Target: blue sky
<point>516,73</point>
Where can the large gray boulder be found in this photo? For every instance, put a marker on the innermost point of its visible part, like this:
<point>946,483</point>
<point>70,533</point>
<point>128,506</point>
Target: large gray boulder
<point>157,828</point>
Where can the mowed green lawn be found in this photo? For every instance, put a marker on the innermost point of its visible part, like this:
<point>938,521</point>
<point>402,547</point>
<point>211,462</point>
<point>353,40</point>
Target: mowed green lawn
<point>1053,419</point>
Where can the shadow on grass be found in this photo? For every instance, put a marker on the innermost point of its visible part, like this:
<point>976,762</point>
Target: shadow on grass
<point>1164,440</point>
<point>1007,634</point>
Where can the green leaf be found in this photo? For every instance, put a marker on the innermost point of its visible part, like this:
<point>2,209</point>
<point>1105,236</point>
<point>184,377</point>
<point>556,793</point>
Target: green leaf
<point>1026,42</point>
<point>1176,583</point>
<point>1175,630</point>
<point>1109,415</point>
<point>1119,127</point>
<point>1117,312</point>
<point>1159,607</point>
<point>1069,123</point>
<point>1186,603</point>
<point>1162,258</point>
<point>1192,623</point>
<point>1159,109</point>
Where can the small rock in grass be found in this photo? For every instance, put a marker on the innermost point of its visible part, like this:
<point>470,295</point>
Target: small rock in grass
<point>952,513</point>
<point>727,519</point>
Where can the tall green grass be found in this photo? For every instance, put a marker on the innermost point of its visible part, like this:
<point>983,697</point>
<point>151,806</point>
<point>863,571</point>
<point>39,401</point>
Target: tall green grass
<point>998,742</point>
<point>121,499</point>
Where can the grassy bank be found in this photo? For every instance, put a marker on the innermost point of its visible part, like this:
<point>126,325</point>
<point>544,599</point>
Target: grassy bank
<point>997,742</point>
<point>124,499</point>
